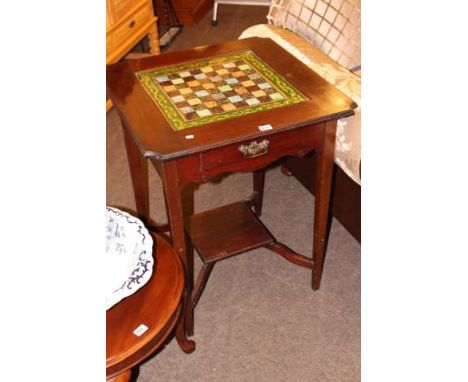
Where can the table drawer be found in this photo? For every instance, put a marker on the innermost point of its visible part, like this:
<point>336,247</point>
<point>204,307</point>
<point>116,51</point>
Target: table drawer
<point>122,8</point>
<point>261,151</point>
<point>128,28</point>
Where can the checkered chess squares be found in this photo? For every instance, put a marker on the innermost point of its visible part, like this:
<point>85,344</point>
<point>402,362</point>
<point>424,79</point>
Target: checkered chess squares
<point>216,89</point>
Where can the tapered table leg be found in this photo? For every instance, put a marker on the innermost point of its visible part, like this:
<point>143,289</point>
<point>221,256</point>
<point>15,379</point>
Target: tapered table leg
<point>187,346</point>
<point>323,181</point>
<point>188,210</point>
<point>175,214</point>
<point>139,174</point>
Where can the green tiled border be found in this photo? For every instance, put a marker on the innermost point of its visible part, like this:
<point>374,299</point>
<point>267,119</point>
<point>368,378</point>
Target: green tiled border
<point>175,118</point>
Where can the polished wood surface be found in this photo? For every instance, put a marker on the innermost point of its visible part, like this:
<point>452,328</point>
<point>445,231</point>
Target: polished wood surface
<point>175,213</point>
<point>156,305</point>
<point>188,11</point>
<point>122,377</point>
<point>226,231</point>
<point>162,142</point>
<point>227,159</point>
<point>215,149</point>
<point>324,167</point>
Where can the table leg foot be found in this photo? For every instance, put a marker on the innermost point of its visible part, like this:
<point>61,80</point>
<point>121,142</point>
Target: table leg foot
<point>316,278</point>
<point>189,321</point>
<point>187,346</point>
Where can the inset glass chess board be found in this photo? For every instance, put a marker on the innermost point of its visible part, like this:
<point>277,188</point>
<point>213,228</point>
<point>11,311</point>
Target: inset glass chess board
<point>217,89</point>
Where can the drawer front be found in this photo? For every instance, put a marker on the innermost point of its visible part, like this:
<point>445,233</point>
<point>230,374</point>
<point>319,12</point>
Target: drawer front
<point>256,153</point>
<point>121,8</point>
<point>248,156</point>
<point>127,28</point>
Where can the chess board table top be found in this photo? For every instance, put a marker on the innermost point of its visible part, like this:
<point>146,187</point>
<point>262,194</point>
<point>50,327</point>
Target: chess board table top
<point>181,103</point>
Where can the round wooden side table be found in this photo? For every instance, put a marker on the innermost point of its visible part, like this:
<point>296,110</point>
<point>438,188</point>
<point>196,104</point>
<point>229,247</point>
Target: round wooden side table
<point>140,323</point>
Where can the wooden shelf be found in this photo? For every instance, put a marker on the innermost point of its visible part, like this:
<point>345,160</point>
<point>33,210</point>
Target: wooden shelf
<point>226,231</point>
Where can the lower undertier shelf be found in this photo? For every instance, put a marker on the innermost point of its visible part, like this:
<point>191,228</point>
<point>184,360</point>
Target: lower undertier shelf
<point>226,231</point>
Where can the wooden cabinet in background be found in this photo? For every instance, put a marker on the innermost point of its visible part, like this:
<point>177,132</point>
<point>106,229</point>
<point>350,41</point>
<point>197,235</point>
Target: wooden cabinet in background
<point>188,11</point>
<point>127,22</point>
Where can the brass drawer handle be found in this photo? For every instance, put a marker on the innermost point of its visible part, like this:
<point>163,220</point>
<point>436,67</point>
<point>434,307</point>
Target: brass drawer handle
<point>254,149</point>
<point>132,24</point>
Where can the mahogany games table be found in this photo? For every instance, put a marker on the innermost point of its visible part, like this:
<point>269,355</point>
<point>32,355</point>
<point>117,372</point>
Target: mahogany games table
<point>233,107</point>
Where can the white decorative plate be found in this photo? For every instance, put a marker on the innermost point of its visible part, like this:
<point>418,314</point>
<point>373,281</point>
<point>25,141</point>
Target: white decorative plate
<point>129,255</point>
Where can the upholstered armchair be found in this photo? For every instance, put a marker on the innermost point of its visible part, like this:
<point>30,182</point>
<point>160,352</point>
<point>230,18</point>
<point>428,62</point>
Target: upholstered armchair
<point>326,36</point>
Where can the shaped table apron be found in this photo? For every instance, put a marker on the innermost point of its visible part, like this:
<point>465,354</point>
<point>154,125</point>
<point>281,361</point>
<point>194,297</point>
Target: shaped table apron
<point>199,168</point>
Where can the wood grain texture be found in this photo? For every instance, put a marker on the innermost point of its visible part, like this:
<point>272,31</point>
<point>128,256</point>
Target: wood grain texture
<point>226,231</point>
<point>127,22</point>
<point>157,138</point>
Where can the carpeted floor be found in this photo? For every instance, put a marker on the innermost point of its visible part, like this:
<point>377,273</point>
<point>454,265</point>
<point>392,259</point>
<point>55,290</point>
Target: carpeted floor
<point>258,319</point>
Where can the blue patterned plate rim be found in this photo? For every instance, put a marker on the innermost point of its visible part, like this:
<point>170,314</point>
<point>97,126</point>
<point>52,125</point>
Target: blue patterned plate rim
<point>141,241</point>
